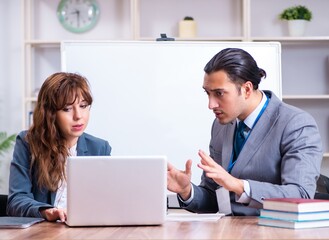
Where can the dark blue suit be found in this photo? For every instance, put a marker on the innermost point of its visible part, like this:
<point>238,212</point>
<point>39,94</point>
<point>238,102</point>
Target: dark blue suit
<point>25,197</point>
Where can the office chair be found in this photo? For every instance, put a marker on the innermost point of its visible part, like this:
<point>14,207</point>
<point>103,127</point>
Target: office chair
<point>322,188</point>
<point>3,204</point>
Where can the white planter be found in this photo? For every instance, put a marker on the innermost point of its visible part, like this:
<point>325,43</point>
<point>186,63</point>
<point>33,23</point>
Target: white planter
<point>297,27</point>
<point>187,29</point>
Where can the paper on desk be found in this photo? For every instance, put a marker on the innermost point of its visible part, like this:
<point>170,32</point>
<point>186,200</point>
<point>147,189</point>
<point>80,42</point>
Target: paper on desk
<point>193,217</point>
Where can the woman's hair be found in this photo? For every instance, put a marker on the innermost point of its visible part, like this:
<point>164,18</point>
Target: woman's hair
<point>47,144</point>
<point>239,66</point>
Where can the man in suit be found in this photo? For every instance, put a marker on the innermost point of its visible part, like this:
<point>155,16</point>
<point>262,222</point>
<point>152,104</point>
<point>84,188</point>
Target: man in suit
<point>281,149</point>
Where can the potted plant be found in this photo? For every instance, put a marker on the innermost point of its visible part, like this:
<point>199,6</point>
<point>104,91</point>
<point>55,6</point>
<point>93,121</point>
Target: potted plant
<point>187,27</point>
<point>6,144</point>
<point>297,16</point>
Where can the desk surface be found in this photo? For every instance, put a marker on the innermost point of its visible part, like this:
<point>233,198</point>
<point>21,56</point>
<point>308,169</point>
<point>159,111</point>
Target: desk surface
<point>225,228</point>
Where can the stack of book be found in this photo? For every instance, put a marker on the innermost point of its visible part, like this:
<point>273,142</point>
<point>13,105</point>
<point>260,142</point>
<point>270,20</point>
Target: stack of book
<point>294,213</point>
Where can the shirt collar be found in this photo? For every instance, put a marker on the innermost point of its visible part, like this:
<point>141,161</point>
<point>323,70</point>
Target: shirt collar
<point>73,150</point>
<point>249,121</point>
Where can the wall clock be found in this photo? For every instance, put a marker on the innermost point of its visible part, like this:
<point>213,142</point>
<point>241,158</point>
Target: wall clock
<point>78,16</point>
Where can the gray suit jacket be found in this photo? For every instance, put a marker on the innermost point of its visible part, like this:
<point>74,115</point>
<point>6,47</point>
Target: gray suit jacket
<point>25,197</point>
<point>281,158</point>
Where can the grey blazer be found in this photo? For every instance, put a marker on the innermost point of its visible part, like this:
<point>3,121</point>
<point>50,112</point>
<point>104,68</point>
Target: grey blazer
<point>25,197</point>
<point>281,158</point>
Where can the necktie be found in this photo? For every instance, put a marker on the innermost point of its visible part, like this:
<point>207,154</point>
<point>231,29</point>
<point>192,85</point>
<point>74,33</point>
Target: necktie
<point>239,139</point>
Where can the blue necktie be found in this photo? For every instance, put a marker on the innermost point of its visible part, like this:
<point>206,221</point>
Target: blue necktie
<point>239,139</point>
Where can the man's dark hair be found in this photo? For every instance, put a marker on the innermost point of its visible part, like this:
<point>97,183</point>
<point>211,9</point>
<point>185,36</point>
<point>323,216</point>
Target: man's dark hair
<point>239,65</point>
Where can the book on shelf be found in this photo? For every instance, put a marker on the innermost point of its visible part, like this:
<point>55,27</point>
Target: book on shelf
<point>292,224</point>
<point>294,216</point>
<point>300,205</point>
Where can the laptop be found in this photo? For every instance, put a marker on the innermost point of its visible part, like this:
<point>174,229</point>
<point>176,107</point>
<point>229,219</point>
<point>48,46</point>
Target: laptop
<point>116,190</point>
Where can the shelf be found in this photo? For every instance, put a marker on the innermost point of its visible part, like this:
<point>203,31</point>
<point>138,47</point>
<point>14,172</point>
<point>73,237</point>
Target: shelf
<point>306,97</point>
<point>43,43</point>
<point>292,39</point>
<point>31,99</point>
<point>210,39</point>
<point>229,38</point>
<point>283,40</point>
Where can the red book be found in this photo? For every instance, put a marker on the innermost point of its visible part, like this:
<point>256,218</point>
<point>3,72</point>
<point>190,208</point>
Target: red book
<point>296,204</point>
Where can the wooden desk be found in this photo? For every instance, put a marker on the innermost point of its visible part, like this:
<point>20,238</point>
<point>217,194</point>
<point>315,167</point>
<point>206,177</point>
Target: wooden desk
<point>225,228</point>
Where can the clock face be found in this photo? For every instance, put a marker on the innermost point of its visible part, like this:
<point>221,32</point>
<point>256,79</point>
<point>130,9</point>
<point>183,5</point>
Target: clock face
<point>78,16</point>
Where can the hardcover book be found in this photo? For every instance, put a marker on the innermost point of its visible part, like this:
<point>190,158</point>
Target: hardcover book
<point>300,205</point>
<point>292,224</point>
<point>295,216</point>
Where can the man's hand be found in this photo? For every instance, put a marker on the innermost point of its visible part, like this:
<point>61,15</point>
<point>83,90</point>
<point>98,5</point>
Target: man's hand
<point>219,174</point>
<point>180,181</point>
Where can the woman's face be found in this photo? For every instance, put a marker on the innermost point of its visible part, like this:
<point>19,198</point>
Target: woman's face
<point>73,120</point>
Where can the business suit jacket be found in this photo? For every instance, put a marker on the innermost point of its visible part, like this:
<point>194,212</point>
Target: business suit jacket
<point>281,158</point>
<point>25,197</point>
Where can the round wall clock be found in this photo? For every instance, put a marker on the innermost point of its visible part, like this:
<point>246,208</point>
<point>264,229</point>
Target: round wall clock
<point>78,16</point>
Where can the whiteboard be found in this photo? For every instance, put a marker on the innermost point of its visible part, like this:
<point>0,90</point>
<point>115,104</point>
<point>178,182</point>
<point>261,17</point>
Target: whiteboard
<point>148,96</point>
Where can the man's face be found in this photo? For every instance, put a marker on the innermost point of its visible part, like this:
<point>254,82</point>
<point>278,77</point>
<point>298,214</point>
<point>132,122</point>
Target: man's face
<point>225,99</point>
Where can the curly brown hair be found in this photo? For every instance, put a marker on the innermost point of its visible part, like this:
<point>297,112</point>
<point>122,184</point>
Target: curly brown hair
<point>47,144</point>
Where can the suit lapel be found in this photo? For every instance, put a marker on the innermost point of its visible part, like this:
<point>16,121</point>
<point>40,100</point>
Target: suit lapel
<point>256,138</point>
<point>82,146</point>
<point>228,145</point>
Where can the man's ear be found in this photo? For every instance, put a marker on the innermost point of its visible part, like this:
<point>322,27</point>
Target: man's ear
<point>247,89</point>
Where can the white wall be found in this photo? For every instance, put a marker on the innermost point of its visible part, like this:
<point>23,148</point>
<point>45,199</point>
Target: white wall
<point>10,66</point>
<point>10,78</point>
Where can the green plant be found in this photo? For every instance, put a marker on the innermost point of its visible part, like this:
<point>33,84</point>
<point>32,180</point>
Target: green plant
<point>296,12</point>
<point>6,142</point>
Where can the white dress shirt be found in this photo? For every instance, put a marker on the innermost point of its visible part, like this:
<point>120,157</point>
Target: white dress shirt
<point>61,194</point>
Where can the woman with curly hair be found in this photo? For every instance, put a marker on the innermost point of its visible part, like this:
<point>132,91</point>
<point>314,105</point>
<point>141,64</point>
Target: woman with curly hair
<point>37,183</point>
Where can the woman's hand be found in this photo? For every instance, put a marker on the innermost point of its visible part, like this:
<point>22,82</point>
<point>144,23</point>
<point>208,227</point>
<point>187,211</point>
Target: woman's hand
<point>219,174</point>
<point>54,214</point>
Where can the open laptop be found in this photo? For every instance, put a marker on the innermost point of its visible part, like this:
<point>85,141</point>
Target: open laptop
<point>116,190</point>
